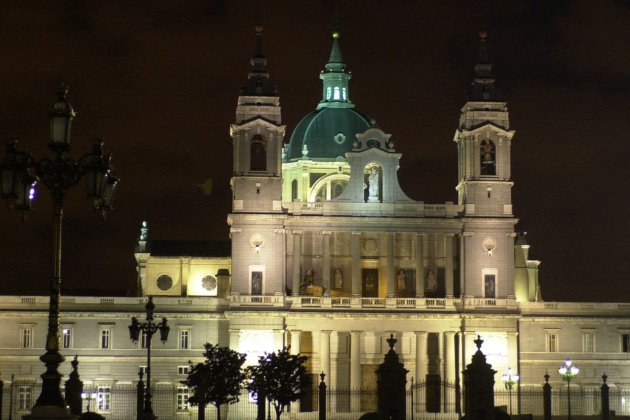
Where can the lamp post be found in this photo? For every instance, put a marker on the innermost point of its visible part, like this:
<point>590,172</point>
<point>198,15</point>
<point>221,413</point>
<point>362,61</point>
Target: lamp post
<point>148,328</point>
<point>568,371</point>
<point>89,397</point>
<point>509,380</point>
<point>19,175</point>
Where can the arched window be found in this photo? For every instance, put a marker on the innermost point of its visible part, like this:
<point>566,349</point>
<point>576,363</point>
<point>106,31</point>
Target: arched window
<point>337,93</point>
<point>328,93</point>
<point>258,154</point>
<point>487,154</point>
<point>294,190</point>
<point>344,94</point>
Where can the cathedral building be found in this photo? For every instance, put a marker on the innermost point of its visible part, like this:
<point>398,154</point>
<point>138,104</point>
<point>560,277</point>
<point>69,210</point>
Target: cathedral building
<point>328,255</point>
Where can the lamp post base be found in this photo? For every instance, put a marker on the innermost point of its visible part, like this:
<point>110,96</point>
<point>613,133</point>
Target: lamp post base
<point>50,412</point>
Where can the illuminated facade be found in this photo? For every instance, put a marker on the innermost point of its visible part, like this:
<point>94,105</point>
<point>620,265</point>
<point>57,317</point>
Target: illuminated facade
<point>329,256</point>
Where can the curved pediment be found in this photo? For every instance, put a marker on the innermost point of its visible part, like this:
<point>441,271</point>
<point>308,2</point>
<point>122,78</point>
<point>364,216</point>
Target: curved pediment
<point>373,170</point>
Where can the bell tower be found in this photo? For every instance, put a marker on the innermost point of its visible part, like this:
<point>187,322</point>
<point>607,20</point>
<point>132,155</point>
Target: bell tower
<point>256,221</point>
<point>485,188</point>
<point>483,144</point>
<point>258,136</point>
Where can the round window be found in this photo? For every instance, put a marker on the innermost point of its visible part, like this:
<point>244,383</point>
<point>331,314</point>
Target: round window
<point>209,283</point>
<point>164,282</point>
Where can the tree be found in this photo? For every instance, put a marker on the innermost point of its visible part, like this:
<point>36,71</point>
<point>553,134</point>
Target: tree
<point>217,380</point>
<point>280,377</point>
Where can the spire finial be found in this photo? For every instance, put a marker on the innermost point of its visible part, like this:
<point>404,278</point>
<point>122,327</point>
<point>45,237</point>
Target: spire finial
<point>335,61</point>
<point>258,81</point>
<point>483,88</point>
<point>478,342</point>
<point>391,341</point>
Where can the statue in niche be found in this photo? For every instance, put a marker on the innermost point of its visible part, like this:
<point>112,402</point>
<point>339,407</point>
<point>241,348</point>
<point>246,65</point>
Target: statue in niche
<point>373,183</point>
<point>338,279</point>
<point>370,284</point>
<point>431,282</point>
<point>400,279</point>
<point>309,277</point>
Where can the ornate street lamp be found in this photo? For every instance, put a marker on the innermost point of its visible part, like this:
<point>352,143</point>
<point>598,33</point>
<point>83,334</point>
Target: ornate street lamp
<point>19,175</point>
<point>509,380</point>
<point>89,396</point>
<point>568,371</point>
<point>148,328</point>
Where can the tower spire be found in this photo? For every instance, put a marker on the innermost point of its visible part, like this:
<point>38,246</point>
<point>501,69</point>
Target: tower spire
<point>335,92</point>
<point>258,81</point>
<point>483,88</point>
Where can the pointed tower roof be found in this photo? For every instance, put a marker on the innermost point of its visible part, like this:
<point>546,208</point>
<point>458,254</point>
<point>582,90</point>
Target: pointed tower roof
<point>258,81</point>
<point>483,88</point>
<point>335,61</point>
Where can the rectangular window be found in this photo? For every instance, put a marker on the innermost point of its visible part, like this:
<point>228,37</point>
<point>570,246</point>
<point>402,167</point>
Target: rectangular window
<point>66,338</point>
<point>552,342</point>
<point>625,343</point>
<point>183,370</point>
<point>26,338</point>
<point>182,398</point>
<point>143,369</point>
<point>184,339</point>
<point>25,396</point>
<point>144,341</point>
<point>104,398</point>
<point>106,338</point>
<point>588,342</point>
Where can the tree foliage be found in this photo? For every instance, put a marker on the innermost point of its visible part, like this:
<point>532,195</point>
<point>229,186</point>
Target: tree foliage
<point>217,380</point>
<point>279,376</point>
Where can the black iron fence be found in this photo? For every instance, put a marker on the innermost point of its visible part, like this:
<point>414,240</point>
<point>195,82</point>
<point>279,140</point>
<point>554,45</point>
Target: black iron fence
<point>424,401</point>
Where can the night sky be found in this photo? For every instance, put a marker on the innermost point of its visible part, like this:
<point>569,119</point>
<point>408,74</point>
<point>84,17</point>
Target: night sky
<point>159,82</point>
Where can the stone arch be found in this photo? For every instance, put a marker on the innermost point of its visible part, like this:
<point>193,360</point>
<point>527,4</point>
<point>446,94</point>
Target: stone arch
<point>258,153</point>
<point>328,187</point>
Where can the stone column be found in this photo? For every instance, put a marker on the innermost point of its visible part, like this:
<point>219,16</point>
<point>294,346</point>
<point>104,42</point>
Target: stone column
<point>295,347</point>
<point>448,270</point>
<point>355,360</point>
<point>421,356</point>
<point>449,370</point>
<point>462,268</point>
<point>512,344</point>
<point>297,260</point>
<point>449,356</point>
<point>391,270</point>
<point>442,368</point>
<point>356,264</point>
<point>279,340</point>
<point>326,263</point>
<point>419,257</point>
<point>421,367</point>
<point>324,362</point>
<point>441,356</point>
<point>281,249</point>
<point>296,341</point>
<point>355,371</point>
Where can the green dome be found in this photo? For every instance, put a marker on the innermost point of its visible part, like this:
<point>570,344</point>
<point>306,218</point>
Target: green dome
<point>327,133</point>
